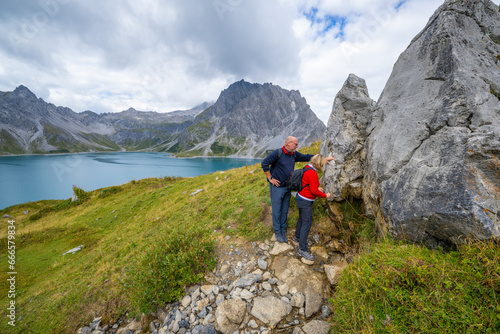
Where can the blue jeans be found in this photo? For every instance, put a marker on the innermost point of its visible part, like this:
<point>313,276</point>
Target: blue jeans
<point>280,202</point>
<point>304,222</point>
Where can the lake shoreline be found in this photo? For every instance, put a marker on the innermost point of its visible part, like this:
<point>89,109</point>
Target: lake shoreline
<point>34,177</point>
<point>107,152</point>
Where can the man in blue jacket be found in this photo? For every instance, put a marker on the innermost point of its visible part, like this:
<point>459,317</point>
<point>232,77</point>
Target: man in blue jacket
<point>278,166</point>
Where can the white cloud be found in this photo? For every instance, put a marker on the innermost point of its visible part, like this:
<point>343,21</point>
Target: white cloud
<point>164,55</point>
<point>372,38</point>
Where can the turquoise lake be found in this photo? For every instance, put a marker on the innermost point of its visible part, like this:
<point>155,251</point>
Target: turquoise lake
<point>30,178</point>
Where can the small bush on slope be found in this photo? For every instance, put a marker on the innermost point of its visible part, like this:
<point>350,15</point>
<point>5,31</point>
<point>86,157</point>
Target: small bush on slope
<point>177,259</point>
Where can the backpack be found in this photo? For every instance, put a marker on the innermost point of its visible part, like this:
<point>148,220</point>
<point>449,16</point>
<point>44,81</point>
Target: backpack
<point>274,163</point>
<point>294,182</point>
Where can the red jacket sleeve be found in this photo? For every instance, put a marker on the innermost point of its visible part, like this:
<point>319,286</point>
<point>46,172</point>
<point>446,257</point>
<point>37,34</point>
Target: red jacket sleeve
<point>311,178</point>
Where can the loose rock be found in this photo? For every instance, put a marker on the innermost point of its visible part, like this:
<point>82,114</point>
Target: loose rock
<point>229,315</point>
<point>270,310</point>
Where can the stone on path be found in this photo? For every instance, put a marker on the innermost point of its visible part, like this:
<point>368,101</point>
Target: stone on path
<point>320,251</point>
<point>229,315</point>
<point>280,248</point>
<point>270,310</point>
<point>186,301</point>
<point>313,302</point>
<point>317,327</point>
<point>262,263</point>
<point>297,275</point>
<point>248,280</point>
<point>298,300</point>
<point>297,330</point>
<point>334,270</point>
<point>207,289</point>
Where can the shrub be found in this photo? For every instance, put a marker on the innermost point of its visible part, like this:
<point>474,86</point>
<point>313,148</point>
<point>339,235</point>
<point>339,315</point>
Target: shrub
<point>80,193</point>
<point>178,258</point>
<point>59,206</point>
<point>111,191</point>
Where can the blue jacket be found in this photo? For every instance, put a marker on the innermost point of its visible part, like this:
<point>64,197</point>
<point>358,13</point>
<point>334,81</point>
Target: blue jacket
<point>282,165</point>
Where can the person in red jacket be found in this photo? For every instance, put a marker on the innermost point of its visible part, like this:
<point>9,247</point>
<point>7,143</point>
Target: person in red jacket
<point>305,200</point>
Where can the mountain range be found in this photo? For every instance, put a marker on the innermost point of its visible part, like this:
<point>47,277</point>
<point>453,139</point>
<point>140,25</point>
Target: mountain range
<point>247,119</point>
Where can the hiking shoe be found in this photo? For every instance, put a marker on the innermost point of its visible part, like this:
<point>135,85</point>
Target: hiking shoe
<point>306,255</point>
<point>279,237</point>
<point>295,240</point>
<point>283,236</point>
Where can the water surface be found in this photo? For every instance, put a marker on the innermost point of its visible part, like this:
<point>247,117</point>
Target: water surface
<point>29,178</point>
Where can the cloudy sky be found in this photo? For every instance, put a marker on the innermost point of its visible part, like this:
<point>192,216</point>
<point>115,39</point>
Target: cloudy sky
<point>165,55</point>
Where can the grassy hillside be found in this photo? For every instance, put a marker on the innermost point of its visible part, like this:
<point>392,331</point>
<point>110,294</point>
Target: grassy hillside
<point>116,227</point>
<point>125,229</point>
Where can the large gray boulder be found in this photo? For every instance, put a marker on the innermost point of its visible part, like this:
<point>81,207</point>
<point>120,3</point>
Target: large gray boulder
<point>345,139</point>
<point>433,168</point>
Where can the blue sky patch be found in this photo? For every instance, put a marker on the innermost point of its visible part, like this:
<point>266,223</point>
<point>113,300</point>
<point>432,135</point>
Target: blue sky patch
<point>328,22</point>
<point>400,3</point>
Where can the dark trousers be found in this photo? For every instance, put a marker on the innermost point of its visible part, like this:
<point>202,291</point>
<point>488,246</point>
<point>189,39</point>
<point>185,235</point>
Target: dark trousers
<point>280,202</point>
<point>305,221</point>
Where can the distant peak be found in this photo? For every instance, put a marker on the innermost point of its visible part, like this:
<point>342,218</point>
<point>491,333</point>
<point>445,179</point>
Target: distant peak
<point>23,91</point>
<point>88,112</point>
<point>242,83</point>
<point>21,88</point>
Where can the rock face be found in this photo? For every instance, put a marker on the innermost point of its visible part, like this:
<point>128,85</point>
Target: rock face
<point>345,139</point>
<point>30,125</point>
<point>433,151</point>
<point>248,119</point>
<point>140,130</point>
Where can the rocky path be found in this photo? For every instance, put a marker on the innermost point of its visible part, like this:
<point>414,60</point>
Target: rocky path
<point>256,288</point>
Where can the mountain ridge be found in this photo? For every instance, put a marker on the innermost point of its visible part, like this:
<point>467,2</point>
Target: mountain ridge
<point>249,119</point>
<point>246,120</point>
